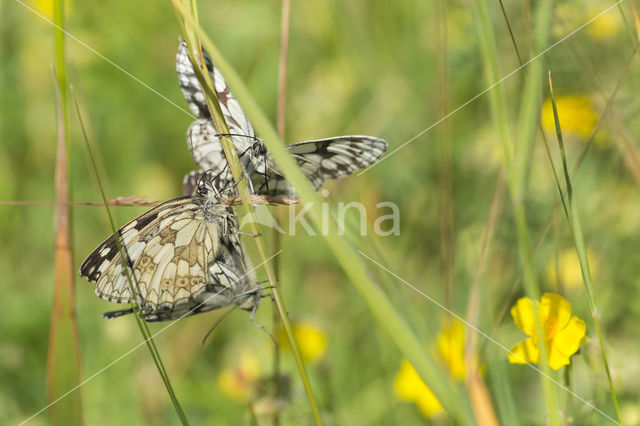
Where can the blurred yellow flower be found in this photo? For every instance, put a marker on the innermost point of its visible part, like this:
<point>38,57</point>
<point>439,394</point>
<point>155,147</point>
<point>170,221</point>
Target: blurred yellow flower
<point>45,7</point>
<point>562,333</point>
<point>605,26</point>
<point>237,382</point>
<point>408,386</point>
<point>451,348</point>
<point>565,269</point>
<point>312,341</point>
<point>450,345</point>
<point>576,114</point>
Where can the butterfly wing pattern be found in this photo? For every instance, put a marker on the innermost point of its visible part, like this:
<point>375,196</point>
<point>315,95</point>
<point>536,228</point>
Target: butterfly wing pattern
<point>201,135</point>
<point>322,159</point>
<point>183,256</point>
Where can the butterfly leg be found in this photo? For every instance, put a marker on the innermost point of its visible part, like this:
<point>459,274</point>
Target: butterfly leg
<point>252,319</point>
<point>264,187</point>
<point>116,314</point>
<point>266,281</point>
<point>248,234</point>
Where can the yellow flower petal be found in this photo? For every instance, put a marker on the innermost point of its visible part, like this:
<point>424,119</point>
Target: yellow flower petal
<point>555,313</point>
<point>237,382</point>
<point>523,316</point>
<point>566,343</point>
<point>563,334</point>
<point>605,26</point>
<point>524,352</point>
<point>45,7</point>
<point>576,114</point>
<point>451,348</point>
<point>428,404</point>
<point>409,387</point>
<point>312,341</point>
<point>407,382</point>
<point>230,386</point>
<point>565,269</point>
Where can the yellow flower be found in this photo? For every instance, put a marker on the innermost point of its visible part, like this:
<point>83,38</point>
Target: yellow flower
<point>311,339</point>
<point>606,26</point>
<point>45,7</point>
<point>565,269</point>
<point>237,382</point>
<point>408,386</point>
<point>451,348</point>
<point>576,114</point>
<point>562,333</point>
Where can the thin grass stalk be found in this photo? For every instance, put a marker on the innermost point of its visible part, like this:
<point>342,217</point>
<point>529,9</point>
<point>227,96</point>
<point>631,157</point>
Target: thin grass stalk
<point>630,32</point>
<point>521,62</point>
<point>517,158</point>
<point>445,163</point>
<point>142,324</point>
<point>476,387</point>
<point>243,189</point>
<point>281,119</point>
<point>482,404</point>
<point>64,359</point>
<point>501,116</point>
<point>383,311</point>
<point>581,249</point>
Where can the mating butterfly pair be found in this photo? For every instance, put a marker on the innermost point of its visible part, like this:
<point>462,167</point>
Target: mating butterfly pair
<point>184,255</point>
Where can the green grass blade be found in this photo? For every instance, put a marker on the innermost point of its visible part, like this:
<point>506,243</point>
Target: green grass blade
<point>64,359</point>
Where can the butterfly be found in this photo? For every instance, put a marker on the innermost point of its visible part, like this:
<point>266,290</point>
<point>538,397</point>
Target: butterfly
<point>320,159</point>
<point>184,257</point>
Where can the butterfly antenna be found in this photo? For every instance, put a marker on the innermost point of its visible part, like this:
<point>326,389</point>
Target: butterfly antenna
<point>216,323</point>
<point>233,185</point>
<point>204,177</point>
<point>213,178</point>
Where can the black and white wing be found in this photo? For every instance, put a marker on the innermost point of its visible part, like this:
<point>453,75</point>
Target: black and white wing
<point>239,124</point>
<point>235,117</point>
<point>322,159</point>
<point>178,259</point>
<point>169,250</point>
<point>208,155</point>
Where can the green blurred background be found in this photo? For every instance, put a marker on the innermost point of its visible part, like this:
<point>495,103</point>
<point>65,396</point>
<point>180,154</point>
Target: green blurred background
<point>356,67</point>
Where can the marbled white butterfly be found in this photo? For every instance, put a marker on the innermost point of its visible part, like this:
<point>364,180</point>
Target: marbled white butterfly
<point>186,258</point>
<point>321,159</point>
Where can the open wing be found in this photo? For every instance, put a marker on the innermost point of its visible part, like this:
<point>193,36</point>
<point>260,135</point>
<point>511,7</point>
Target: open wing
<point>322,159</point>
